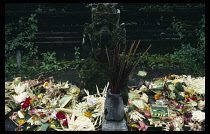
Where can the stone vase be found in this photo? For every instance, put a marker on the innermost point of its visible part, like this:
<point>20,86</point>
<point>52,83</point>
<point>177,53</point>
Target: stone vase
<point>114,107</point>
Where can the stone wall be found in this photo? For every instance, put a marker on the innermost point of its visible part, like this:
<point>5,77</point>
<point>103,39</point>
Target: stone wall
<point>61,24</point>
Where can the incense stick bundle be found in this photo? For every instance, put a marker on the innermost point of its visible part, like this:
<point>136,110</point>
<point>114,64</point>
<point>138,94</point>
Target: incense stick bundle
<point>121,66</point>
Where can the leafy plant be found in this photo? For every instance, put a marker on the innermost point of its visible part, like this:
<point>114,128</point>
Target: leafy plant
<point>49,61</point>
<point>179,27</point>
<point>76,53</point>
<point>18,36</point>
<point>121,66</point>
<point>158,7</point>
<point>52,10</point>
<point>192,58</point>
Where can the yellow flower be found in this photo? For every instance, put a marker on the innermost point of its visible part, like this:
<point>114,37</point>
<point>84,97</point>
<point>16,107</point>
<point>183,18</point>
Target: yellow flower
<point>49,106</point>
<point>34,118</point>
<point>133,125</point>
<point>190,91</point>
<point>146,108</point>
<point>50,121</point>
<point>156,97</point>
<point>183,109</point>
<point>21,122</point>
<point>40,95</point>
<point>186,96</point>
<point>52,126</point>
<point>175,81</point>
<point>46,84</point>
<point>23,113</point>
<point>149,104</point>
<point>77,91</point>
<point>88,114</point>
<point>28,127</point>
<point>20,129</point>
<point>31,101</point>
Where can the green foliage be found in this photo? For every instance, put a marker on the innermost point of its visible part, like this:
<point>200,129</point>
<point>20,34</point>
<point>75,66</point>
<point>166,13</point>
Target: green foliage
<point>179,26</point>
<point>26,31</point>
<point>75,64</point>
<point>18,36</point>
<point>157,7</point>
<point>44,9</point>
<point>76,53</point>
<point>201,33</point>
<point>155,61</point>
<point>168,6</point>
<point>192,59</point>
<point>93,72</point>
<point>131,23</point>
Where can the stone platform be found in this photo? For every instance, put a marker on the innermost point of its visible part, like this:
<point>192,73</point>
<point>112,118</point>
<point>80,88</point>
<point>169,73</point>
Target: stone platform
<point>114,125</point>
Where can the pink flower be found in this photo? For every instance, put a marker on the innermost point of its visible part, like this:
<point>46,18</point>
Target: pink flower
<point>65,123</point>
<point>179,106</point>
<point>60,115</point>
<point>142,126</point>
<point>130,102</point>
<point>167,119</point>
<point>13,117</point>
<point>32,111</point>
<point>147,114</point>
<point>36,98</point>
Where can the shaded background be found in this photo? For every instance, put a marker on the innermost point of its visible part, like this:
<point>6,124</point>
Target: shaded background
<point>61,24</point>
<point>60,29</point>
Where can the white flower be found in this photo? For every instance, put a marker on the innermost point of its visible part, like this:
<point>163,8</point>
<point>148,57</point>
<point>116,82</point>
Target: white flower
<point>20,114</point>
<point>196,84</point>
<point>19,88</point>
<point>53,115</point>
<point>136,116</point>
<point>201,104</point>
<point>160,102</point>
<point>81,107</point>
<point>171,95</point>
<point>198,116</point>
<point>191,103</point>
<point>21,97</point>
<point>36,122</point>
<point>9,85</point>
<point>143,88</point>
<point>91,101</point>
<point>81,123</point>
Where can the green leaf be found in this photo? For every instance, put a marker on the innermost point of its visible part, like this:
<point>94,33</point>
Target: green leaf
<point>142,73</point>
<point>44,127</point>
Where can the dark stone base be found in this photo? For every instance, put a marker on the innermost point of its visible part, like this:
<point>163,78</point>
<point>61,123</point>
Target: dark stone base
<point>114,125</point>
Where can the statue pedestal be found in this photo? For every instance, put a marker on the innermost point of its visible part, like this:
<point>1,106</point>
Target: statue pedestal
<point>114,125</point>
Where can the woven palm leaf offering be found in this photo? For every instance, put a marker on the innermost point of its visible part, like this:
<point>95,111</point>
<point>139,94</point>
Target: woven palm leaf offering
<point>42,104</point>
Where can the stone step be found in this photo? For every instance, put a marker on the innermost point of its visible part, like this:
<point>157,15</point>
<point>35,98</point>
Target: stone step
<point>50,39</point>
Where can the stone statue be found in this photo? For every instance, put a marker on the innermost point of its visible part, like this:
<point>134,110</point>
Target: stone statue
<point>104,31</point>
